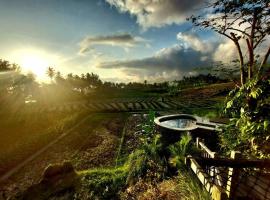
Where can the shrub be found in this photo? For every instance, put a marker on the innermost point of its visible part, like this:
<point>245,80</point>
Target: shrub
<point>249,106</point>
<point>180,149</point>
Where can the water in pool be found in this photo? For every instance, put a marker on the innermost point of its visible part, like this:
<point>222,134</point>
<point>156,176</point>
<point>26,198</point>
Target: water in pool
<point>179,123</point>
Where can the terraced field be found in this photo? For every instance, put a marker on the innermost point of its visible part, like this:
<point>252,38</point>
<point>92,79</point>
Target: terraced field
<point>125,105</point>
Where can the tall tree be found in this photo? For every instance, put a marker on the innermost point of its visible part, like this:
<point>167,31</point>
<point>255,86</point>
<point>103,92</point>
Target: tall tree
<point>246,23</point>
<point>59,78</point>
<point>51,73</point>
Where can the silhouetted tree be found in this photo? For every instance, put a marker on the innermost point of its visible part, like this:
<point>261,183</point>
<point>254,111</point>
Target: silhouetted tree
<point>51,73</point>
<point>246,23</point>
<point>59,78</point>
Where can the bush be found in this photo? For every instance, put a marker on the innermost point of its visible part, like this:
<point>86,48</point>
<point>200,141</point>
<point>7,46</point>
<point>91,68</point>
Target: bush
<point>249,130</point>
<point>101,183</point>
<point>181,149</point>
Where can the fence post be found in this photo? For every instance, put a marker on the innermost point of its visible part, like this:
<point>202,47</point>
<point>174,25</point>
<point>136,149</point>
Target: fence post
<point>218,193</point>
<point>197,142</point>
<point>233,175</point>
<point>187,160</point>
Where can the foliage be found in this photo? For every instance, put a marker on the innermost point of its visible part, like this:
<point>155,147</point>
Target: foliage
<point>249,106</point>
<point>144,163</point>
<point>50,72</point>
<point>245,23</point>
<point>180,149</point>
<point>147,158</point>
<point>189,187</point>
<point>193,81</point>
<point>148,127</point>
<point>101,183</point>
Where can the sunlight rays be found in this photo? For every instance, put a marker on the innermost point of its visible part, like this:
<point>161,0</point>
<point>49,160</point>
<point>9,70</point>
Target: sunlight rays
<point>35,61</point>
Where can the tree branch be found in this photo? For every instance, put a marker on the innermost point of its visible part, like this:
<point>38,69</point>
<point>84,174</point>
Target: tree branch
<point>259,41</point>
<point>235,29</point>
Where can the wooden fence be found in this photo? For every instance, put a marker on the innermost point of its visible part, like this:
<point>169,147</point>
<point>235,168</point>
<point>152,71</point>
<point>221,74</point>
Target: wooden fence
<point>231,178</point>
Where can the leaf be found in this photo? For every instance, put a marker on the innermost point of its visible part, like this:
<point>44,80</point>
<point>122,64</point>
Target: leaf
<point>229,104</point>
<point>265,124</point>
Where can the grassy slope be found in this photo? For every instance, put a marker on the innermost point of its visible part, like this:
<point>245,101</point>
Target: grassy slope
<point>23,133</point>
<point>24,124</point>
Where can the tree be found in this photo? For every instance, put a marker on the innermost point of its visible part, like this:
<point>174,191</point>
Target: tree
<point>93,80</point>
<point>246,23</point>
<point>51,73</point>
<point>59,78</point>
<point>145,82</point>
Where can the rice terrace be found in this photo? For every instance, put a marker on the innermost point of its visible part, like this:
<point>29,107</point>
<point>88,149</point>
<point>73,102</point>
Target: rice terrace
<point>147,100</point>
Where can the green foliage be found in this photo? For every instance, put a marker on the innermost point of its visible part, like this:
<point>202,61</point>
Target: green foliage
<point>148,126</point>
<point>180,149</point>
<point>249,107</point>
<point>189,187</point>
<point>144,163</point>
<point>187,184</point>
<point>101,183</point>
<point>147,157</point>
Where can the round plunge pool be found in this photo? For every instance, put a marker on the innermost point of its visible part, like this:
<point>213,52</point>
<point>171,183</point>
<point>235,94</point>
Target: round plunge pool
<point>178,122</point>
<point>172,127</point>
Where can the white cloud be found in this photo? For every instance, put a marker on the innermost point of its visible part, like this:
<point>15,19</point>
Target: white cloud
<point>157,13</point>
<point>225,52</point>
<point>193,41</point>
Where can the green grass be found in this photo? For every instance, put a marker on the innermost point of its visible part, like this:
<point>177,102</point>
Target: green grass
<point>188,187</point>
<point>102,183</point>
<point>118,159</point>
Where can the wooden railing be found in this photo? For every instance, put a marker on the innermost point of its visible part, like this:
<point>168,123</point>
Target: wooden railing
<point>231,178</point>
<point>207,153</point>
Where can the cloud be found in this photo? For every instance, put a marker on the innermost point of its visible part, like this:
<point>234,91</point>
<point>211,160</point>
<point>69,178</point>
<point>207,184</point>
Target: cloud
<point>166,64</point>
<point>122,40</point>
<point>157,13</point>
<point>192,40</point>
<point>225,52</point>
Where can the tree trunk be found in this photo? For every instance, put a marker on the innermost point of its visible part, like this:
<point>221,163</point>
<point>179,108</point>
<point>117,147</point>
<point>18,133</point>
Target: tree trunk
<point>251,59</point>
<point>250,43</point>
<point>241,59</point>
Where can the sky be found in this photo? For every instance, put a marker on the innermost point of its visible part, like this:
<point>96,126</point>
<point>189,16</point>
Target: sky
<point>120,40</point>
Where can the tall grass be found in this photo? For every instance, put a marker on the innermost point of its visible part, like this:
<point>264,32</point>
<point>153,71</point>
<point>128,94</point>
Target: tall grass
<point>188,187</point>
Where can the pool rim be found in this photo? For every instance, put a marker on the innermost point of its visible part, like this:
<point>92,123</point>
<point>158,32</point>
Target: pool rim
<point>160,119</point>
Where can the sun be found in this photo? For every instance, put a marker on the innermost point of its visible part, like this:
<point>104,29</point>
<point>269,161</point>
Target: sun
<point>35,61</point>
<point>35,64</point>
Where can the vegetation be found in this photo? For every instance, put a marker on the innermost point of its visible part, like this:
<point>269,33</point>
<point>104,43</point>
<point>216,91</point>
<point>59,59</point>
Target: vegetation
<point>246,24</point>
<point>144,173</point>
<point>180,150</point>
<point>249,108</point>
<point>189,186</point>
